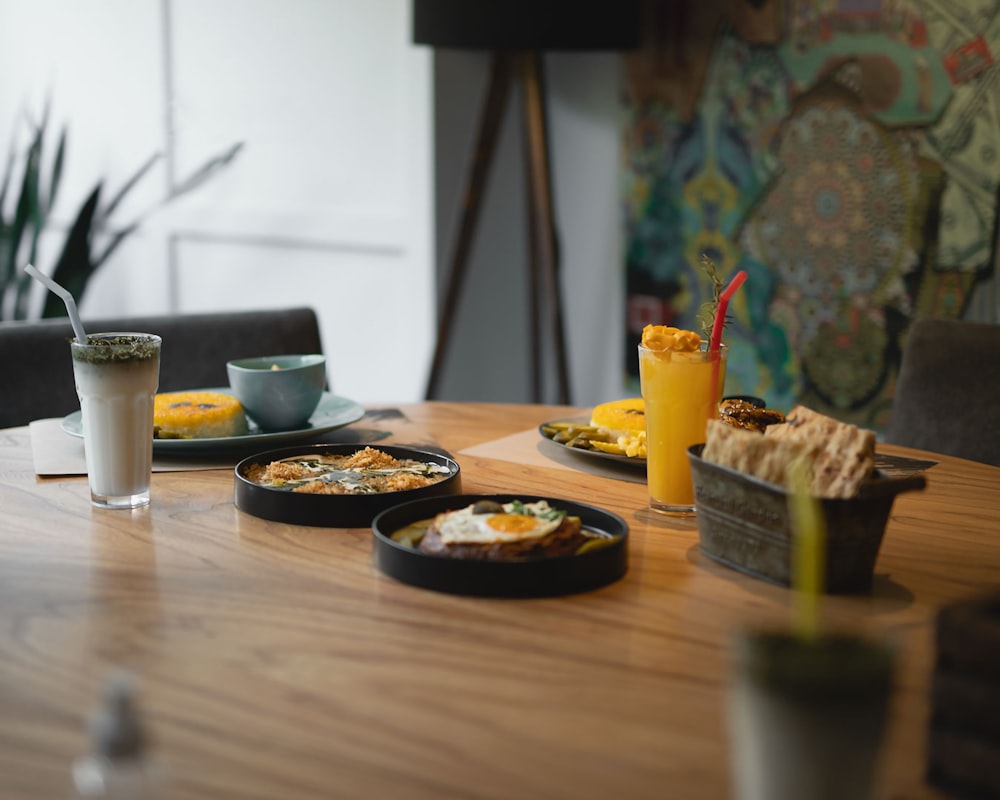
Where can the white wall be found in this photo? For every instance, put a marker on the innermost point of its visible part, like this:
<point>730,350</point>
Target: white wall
<point>330,202</point>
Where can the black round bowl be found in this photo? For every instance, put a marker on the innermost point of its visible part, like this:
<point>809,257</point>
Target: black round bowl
<point>534,577</point>
<point>333,510</point>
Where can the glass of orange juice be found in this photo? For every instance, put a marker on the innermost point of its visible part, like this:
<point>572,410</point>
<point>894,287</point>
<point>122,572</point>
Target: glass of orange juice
<point>681,384</point>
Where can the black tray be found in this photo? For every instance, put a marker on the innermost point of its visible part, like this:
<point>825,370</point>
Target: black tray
<point>333,510</point>
<point>743,522</point>
<point>537,577</point>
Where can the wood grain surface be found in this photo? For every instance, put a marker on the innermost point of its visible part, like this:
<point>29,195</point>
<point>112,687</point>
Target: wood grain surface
<point>275,661</point>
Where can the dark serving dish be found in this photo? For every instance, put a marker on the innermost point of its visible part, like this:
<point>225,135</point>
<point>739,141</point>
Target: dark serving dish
<point>743,523</point>
<point>333,510</point>
<point>536,577</point>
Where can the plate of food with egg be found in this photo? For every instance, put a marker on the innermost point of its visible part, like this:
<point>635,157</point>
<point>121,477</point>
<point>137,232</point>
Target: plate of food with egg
<point>501,545</point>
<point>340,485</point>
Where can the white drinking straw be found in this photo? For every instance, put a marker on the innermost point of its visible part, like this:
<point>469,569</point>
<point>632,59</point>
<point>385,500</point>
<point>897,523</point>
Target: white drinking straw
<point>67,298</point>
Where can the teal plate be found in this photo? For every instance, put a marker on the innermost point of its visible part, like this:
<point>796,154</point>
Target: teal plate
<point>332,412</point>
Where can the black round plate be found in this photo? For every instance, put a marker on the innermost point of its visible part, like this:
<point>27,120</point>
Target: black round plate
<point>333,510</point>
<point>536,577</point>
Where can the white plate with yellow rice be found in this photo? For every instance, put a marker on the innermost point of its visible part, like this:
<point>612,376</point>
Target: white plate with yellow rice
<point>332,412</point>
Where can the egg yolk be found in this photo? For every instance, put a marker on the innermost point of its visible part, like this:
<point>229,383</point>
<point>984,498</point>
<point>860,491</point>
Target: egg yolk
<point>512,523</point>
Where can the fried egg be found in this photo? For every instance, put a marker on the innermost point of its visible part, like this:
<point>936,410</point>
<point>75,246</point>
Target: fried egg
<point>528,521</point>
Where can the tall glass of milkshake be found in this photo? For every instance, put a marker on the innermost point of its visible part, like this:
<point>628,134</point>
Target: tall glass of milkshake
<point>117,375</point>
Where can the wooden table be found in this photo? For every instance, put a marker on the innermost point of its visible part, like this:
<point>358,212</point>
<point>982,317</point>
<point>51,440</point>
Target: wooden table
<point>274,661</point>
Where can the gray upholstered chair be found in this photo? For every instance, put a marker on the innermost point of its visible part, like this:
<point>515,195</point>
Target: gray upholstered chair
<point>36,371</point>
<point>948,395</point>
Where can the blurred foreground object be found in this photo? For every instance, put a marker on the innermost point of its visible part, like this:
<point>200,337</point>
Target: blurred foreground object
<point>118,765</point>
<point>964,737</point>
<point>808,715</point>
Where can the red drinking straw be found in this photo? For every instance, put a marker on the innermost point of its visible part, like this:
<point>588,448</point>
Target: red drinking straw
<point>717,325</point>
<point>720,314</point>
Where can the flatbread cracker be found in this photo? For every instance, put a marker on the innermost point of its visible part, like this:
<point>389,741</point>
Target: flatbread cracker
<point>846,456</point>
<point>753,454</point>
<point>839,456</point>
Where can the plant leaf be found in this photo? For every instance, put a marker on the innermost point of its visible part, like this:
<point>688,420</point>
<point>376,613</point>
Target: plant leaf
<point>21,296</point>
<point>38,213</point>
<point>8,171</point>
<point>207,170</point>
<point>74,268</point>
<point>56,177</point>
<point>25,211</point>
<point>116,239</point>
<point>131,182</point>
<point>6,231</point>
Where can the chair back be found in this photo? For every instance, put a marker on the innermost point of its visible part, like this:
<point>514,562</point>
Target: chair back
<point>948,393</point>
<point>37,368</point>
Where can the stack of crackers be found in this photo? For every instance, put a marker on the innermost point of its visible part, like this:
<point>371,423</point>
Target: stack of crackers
<point>839,457</point>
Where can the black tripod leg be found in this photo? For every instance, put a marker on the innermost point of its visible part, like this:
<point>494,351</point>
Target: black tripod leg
<point>489,129</point>
<point>534,283</point>
<point>542,205</point>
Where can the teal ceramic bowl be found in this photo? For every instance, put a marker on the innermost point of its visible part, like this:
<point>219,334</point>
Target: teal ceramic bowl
<point>279,393</point>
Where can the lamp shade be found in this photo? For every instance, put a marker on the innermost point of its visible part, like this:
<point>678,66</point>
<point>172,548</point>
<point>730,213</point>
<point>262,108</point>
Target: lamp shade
<point>527,24</point>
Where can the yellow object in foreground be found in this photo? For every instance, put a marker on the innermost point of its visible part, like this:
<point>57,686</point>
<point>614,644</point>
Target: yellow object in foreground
<point>197,415</point>
<point>809,549</point>
<point>681,390</point>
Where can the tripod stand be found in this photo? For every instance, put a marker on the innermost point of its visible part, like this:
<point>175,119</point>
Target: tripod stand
<point>506,68</point>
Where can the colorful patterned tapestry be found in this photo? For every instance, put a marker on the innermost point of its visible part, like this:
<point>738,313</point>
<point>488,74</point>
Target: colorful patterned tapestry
<point>845,154</point>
